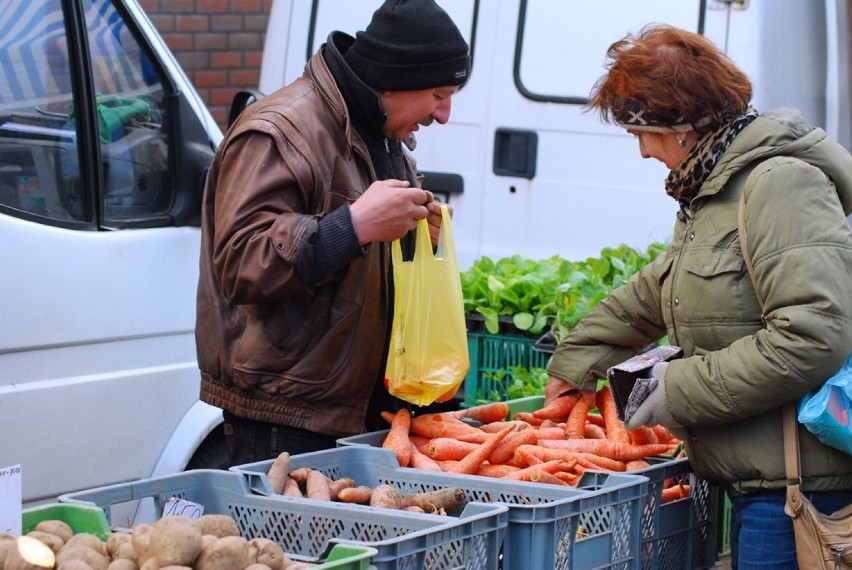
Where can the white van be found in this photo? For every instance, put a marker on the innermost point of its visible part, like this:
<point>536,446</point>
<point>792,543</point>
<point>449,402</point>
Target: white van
<point>104,145</point>
<point>527,171</point>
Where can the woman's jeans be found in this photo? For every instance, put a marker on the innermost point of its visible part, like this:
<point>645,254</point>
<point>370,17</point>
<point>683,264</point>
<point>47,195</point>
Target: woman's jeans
<point>762,533</point>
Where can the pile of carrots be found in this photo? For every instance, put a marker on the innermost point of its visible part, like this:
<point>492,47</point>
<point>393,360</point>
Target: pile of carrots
<point>555,444</point>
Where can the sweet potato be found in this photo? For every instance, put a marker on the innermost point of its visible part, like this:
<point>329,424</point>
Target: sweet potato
<point>447,499</point>
<point>316,486</point>
<point>385,496</point>
<point>359,495</point>
<point>279,473</point>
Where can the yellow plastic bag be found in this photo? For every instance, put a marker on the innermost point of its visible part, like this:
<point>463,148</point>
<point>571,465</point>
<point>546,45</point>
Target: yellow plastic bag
<point>428,358</point>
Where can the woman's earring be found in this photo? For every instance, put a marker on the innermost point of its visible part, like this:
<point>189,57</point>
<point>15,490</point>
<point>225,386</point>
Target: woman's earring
<point>681,142</point>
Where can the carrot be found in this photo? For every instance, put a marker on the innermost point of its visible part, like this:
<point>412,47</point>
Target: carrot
<point>570,478</point>
<point>487,413</point>
<point>615,429</point>
<point>448,448</point>
<point>419,440</point>
<point>474,459</point>
<point>447,465</point>
<point>605,448</point>
<point>599,462</point>
<point>558,408</point>
<point>359,495</point>
<point>528,418</point>
<point>663,434</point>
<point>545,467</point>
<point>387,416</point>
<point>642,435</point>
<point>593,431</point>
<point>575,425</point>
<point>316,486</point>
<point>397,438</point>
<point>674,492</point>
<point>278,473</point>
<point>476,436</point>
<point>524,457</point>
<point>494,427</point>
<point>596,419</point>
<point>506,448</point>
<point>337,485</point>
<point>432,429</point>
<point>550,433</point>
<point>635,464</point>
<point>420,460</point>
<point>501,470</point>
<point>385,496</point>
<point>545,477</point>
<point>445,499</point>
<point>547,424</point>
<point>291,488</point>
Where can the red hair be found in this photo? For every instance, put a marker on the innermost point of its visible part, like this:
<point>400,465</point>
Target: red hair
<point>675,75</point>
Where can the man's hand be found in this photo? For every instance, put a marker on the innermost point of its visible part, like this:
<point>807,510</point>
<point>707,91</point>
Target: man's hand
<point>389,209</point>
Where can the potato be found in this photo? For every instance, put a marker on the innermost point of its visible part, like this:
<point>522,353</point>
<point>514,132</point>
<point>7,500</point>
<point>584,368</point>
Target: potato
<point>257,566</point>
<point>7,543</point>
<point>139,537</point>
<point>267,552</point>
<point>28,553</point>
<point>123,564</point>
<point>114,542</point>
<point>150,564</point>
<point>226,553</point>
<point>80,551</point>
<point>90,540</point>
<point>175,541</point>
<point>57,527</point>
<point>74,564</point>
<point>124,551</point>
<point>53,541</point>
<point>218,525</point>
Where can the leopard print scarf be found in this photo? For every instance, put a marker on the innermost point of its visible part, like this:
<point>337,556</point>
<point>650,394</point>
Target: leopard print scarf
<point>684,181</point>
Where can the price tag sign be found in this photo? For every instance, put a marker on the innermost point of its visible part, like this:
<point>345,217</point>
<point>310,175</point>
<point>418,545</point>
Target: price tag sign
<point>10,500</point>
<point>175,506</point>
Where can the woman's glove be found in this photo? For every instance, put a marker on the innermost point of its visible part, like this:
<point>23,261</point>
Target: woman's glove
<point>646,405</point>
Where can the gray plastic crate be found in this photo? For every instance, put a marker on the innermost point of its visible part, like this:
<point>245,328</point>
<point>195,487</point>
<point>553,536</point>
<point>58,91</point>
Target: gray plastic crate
<point>594,525</point>
<point>309,529</point>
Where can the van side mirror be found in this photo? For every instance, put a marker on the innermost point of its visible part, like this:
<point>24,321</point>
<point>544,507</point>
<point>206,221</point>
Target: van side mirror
<point>241,100</point>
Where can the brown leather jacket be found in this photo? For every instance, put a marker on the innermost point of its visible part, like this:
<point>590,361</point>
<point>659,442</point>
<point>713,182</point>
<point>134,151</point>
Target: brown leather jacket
<point>275,343</point>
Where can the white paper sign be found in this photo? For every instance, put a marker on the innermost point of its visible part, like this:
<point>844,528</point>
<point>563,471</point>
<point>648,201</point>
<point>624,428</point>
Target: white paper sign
<point>175,506</point>
<point>10,500</point>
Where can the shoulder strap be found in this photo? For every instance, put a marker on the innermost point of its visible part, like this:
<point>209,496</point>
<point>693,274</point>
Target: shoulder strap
<point>791,435</point>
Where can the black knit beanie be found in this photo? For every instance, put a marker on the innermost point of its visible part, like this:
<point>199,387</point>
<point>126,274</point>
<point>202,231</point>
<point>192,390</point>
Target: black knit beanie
<point>409,45</point>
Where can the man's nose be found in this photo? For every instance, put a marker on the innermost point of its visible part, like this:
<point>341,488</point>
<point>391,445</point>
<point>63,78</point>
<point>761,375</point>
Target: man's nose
<point>442,111</point>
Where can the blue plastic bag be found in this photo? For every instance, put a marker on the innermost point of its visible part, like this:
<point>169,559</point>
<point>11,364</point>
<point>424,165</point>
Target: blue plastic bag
<point>827,412</point>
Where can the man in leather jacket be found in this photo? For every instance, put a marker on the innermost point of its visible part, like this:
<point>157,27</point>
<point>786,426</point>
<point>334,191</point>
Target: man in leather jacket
<point>305,194</point>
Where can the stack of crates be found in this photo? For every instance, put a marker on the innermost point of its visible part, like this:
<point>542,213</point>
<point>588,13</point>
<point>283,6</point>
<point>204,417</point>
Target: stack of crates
<point>311,530</point>
<point>596,524</point>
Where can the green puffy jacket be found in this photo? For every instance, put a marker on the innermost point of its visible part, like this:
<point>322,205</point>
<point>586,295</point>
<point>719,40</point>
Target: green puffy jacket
<point>738,372</point>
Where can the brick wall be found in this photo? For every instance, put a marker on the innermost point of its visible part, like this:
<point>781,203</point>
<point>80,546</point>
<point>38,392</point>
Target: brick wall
<point>219,43</point>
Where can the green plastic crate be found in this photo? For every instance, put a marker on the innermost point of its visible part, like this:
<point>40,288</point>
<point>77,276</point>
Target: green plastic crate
<point>723,523</point>
<point>81,518</point>
<point>491,354</point>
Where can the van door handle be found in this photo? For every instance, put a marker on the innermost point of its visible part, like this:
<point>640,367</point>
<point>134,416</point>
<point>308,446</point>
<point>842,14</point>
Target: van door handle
<point>442,184</point>
<point>515,153</point>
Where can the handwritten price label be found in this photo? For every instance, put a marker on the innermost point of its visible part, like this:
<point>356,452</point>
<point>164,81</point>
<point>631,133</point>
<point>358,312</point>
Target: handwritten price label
<point>10,500</point>
<point>175,506</point>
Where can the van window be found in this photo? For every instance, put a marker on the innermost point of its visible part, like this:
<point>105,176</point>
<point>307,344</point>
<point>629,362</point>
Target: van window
<point>560,58</point>
<point>43,139</point>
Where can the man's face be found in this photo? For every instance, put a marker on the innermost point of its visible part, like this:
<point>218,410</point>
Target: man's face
<point>407,110</point>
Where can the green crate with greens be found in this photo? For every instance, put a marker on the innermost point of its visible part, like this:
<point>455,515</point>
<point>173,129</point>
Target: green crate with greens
<point>513,302</point>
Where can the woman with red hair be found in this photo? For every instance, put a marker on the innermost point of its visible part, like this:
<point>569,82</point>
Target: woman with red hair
<point>689,107</point>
